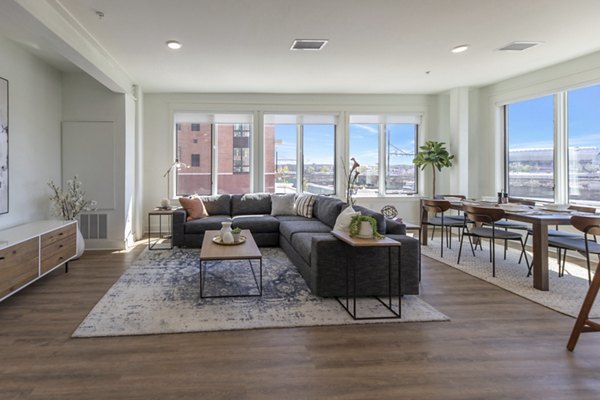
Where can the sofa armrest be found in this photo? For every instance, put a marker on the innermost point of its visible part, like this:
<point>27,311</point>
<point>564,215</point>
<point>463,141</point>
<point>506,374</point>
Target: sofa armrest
<point>178,228</point>
<point>393,227</point>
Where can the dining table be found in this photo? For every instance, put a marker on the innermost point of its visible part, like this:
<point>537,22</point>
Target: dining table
<point>540,219</point>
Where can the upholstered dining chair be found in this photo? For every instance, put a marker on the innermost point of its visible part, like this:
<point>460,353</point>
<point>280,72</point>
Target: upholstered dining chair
<point>488,216</point>
<point>590,226</point>
<point>433,214</point>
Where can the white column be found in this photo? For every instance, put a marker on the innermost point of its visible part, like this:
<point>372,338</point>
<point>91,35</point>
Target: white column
<point>458,143</point>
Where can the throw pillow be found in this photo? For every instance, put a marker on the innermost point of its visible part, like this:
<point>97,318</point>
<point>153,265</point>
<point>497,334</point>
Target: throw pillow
<point>194,207</point>
<point>282,204</point>
<point>342,223</point>
<point>304,205</point>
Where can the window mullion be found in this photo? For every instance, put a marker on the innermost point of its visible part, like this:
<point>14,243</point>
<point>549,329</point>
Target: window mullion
<point>215,162</point>
<point>561,150</point>
<point>299,158</point>
<point>382,161</point>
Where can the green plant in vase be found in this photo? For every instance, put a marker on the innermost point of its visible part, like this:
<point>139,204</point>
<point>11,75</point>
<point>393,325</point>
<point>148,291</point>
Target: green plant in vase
<point>236,234</point>
<point>435,154</point>
<point>356,223</point>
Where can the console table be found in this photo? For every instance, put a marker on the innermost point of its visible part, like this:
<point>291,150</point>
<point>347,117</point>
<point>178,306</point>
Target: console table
<point>30,251</point>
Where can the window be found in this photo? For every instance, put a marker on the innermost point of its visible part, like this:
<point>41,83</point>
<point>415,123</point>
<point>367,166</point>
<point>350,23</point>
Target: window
<point>220,160</point>
<point>530,145</point>
<point>584,143</point>
<point>555,162</point>
<point>195,159</point>
<point>385,146</point>
<point>300,153</point>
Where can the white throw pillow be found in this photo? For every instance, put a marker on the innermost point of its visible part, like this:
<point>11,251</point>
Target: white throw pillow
<point>283,204</point>
<point>342,223</point>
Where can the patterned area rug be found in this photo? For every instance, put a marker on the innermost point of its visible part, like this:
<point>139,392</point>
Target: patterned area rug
<point>159,293</point>
<point>566,293</point>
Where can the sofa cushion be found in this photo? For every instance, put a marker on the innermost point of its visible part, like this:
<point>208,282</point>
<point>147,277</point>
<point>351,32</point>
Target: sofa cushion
<point>212,222</point>
<point>283,204</point>
<point>327,209</point>
<point>289,228</point>
<point>342,223</point>
<point>302,243</point>
<point>251,203</point>
<point>256,223</point>
<point>194,207</point>
<point>217,205</point>
<point>304,205</point>
<point>378,217</point>
<point>294,218</point>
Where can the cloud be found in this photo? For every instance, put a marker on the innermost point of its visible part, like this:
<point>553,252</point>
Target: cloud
<point>367,128</point>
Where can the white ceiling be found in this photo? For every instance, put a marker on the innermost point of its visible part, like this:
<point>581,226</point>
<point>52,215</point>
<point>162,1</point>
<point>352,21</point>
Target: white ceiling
<point>375,46</point>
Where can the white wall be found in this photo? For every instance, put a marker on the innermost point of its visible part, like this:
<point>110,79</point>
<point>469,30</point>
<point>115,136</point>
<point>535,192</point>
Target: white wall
<point>84,99</point>
<point>158,139</point>
<point>34,133</point>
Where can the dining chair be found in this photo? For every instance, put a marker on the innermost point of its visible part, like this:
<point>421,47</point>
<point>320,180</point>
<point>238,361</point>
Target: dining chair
<point>433,214</point>
<point>488,216</point>
<point>564,234</point>
<point>590,226</point>
<point>508,224</point>
<point>456,217</point>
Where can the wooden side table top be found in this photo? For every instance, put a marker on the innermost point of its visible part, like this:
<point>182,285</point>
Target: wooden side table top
<point>163,211</point>
<point>358,242</point>
<point>212,251</point>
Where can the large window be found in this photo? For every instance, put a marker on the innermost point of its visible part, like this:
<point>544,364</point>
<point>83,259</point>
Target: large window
<point>218,149</point>
<point>299,153</point>
<point>555,162</point>
<point>530,144</point>
<point>385,146</point>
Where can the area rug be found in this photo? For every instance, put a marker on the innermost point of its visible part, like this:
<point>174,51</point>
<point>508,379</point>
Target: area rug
<point>159,294</point>
<point>566,293</point>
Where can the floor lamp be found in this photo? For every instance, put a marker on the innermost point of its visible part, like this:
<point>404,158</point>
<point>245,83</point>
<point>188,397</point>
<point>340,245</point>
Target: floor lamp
<point>166,202</point>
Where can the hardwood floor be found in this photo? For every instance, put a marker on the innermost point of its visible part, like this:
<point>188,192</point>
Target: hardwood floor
<point>497,346</point>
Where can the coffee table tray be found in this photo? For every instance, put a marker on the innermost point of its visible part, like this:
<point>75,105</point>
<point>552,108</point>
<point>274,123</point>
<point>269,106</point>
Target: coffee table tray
<point>217,239</point>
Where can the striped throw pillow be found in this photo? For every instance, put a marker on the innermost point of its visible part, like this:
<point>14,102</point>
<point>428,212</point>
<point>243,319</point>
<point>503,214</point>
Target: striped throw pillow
<point>304,205</point>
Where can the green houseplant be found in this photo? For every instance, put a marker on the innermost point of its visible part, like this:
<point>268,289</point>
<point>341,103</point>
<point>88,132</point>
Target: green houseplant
<point>236,234</point>
<point>435,154</point>
<point>356,222</point>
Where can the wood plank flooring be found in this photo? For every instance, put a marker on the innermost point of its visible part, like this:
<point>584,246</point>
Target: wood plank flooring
<point>497,346</point>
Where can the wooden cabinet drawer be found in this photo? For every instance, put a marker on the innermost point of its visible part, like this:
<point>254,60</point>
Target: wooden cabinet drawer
<point>18,265</point>
<point>56,252</point>
<point>58,234</point>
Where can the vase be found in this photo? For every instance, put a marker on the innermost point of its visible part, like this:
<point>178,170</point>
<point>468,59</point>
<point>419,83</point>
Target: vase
<point>225,233</point>
<point>366,230</point>
<point>80,242</point>
<point>236,237</point>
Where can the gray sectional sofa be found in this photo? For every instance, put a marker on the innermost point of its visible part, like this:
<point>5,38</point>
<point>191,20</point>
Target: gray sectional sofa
<point>318,255</point>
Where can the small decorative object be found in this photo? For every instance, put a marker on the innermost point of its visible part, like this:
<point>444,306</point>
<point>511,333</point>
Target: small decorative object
<point>364,227</point>
<point>389,211</point>
<point>435,154</point>
<point>225,233</point>
<point>69,203</point>
<point>165,203</point>
<point>236,234</point>
<point>350,186</point>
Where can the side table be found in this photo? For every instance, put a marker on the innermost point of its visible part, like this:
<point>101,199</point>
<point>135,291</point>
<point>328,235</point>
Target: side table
<point>355,243</point>
<point>153,242</point>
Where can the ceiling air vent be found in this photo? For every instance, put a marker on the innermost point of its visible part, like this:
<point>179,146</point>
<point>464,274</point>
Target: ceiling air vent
<point>308,44</point>
<point>518,46</point>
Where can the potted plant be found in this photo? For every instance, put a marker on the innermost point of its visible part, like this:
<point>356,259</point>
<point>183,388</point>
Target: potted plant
<point>435,154</point>
<point>364,226</point>
<point>236,234</point>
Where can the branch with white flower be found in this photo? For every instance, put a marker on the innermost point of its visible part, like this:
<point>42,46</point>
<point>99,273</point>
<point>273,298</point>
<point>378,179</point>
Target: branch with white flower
<point>71,202</point>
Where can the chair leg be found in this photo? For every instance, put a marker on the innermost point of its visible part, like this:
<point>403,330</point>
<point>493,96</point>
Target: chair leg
<point>442,242</point>
<point>460,248</point>
<point>587,257</point>
<point>525,244</point>
<point>493,249</point>
<point>583,318</point>
<point>523,253</point>
<point>432,232</point>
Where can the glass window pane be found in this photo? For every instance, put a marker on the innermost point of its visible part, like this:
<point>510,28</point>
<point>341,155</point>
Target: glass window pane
<point>319,159</point>
<point>364,147</point>
<point>232,172</point>
<point>280,158</point>
<point>530,138</point>
<point>194,149</point>
<point>400,147</point>
<point>584,143</point>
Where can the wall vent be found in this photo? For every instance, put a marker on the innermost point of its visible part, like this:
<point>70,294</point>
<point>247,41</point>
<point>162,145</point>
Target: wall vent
<point>518,46</point>
<point>93,226</point>
<point>308,44</point>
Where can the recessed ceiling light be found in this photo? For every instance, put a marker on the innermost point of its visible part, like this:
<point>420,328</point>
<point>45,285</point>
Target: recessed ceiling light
<point>460,48</point>
<point>309,44</point>
<point>173,44</point>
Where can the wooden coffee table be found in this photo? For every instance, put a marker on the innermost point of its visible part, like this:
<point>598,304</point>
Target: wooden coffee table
<point>212,251</point>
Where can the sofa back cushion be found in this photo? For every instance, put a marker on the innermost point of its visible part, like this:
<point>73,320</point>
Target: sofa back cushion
<point>250,203</point>
<point>217,205</point>
<point>327,209</point>
<point>378,217</point>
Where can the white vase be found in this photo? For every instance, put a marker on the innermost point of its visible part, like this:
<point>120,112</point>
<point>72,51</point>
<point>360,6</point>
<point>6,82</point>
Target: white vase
<point>80,242</point>
<point>366,230</point>
<point>225,233</point>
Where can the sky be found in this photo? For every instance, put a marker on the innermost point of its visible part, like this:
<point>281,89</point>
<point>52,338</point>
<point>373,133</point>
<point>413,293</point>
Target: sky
<point>531,122</point>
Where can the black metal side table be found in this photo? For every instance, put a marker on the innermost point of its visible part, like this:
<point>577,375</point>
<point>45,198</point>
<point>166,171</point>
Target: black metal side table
<point>356,243</point>
<point>157,243</point>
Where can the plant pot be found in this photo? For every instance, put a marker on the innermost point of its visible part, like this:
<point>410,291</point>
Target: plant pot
<point>236,237</point>
<point>366,230</point>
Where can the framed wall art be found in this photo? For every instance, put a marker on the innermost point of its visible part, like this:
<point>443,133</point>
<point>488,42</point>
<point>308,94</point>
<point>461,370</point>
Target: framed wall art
<point>3,146</point>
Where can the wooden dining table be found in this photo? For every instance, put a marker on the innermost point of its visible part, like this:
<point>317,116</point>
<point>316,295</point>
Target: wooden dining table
<point>539,219</point>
